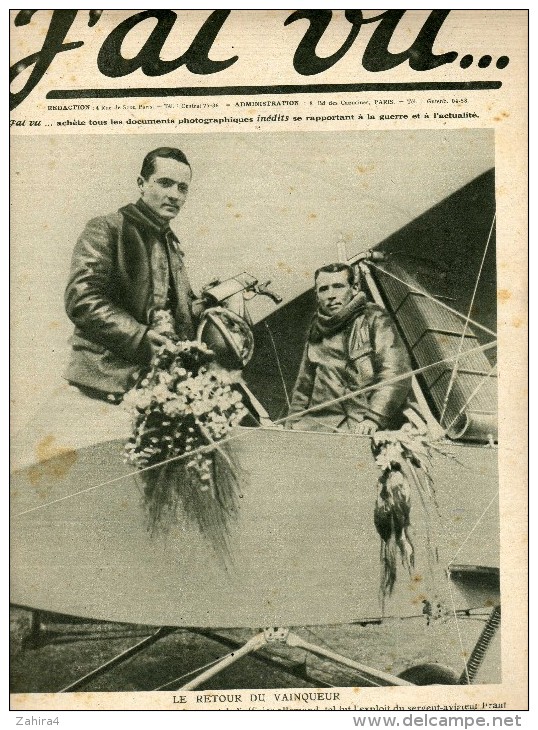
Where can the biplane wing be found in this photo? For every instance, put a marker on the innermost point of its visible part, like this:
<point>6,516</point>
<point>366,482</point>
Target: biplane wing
<point>304,548</point>
<point>445,253</point>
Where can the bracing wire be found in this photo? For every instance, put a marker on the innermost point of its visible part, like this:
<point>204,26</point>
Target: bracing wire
<point>430,297</point>
<point>282,380</point>
<point>246,433</point>
<point>465,326</point>
<point>471,396</point>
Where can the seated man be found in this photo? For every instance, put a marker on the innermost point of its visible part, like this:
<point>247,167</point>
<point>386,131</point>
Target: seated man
<point>352,344</point>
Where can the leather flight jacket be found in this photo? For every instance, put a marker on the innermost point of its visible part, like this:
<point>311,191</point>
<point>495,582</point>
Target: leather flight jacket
<point>367,351</point>
<point>124,266</point>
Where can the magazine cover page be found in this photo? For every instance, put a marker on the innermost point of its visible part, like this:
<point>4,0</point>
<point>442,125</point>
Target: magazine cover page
<point>268,360</point>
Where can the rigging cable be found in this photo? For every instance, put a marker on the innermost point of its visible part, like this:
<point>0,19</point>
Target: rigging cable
<point>426,295</point>
<point>479,520</point>
<point>193,671</point>
<point>247,432</point>
<point>465,675</point>
<point>467,319</point>
<point>278,364</point>
<point>465,678</point>
<point>470,398</point>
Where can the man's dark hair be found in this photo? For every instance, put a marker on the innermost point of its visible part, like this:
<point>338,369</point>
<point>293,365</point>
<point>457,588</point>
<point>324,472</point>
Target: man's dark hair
<point>334,268</point>
<point>148,166</point>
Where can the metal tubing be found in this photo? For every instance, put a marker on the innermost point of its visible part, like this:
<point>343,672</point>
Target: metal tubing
<point>276,662</point>
<point>367,672</point>
<point>119,658</point>
<point>253,644</point>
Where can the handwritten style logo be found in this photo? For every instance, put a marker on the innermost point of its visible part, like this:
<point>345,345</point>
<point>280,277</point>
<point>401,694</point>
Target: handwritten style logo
<point>197,58</point>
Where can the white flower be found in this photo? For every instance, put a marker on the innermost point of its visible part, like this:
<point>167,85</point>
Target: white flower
<point>383,461</point>
<point>137,399</point>
<point>175,408</point>
<point>175,395</point>
<point>161,393</point>
<point>394,452</point>
<point>165,378</point>
<point>199,407</point>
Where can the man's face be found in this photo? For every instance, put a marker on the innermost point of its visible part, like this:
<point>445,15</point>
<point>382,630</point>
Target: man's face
<point>333,291</point>
<point>166,188</point>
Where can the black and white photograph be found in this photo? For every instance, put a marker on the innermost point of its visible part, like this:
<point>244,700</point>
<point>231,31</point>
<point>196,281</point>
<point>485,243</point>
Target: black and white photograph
<point>254,430</point>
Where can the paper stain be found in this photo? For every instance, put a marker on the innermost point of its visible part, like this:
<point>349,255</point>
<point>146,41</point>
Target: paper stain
<point>500,117</point>
<point>503,295</point>
<point>53,461</point>
<point>418,600</point>
<point>517,322</point>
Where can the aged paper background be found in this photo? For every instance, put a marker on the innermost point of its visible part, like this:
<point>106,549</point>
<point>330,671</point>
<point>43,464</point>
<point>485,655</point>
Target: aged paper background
<point>58,182</point>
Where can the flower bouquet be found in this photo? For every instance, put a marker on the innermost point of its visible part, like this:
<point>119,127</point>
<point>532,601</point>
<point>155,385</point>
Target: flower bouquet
<point>181,410</point>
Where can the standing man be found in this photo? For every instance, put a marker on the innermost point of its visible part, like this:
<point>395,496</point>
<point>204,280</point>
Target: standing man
<point>352,344</point>
<point>127,266</point>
